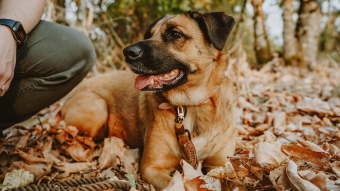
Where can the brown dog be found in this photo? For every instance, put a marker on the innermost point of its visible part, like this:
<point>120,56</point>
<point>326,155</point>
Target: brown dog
<point>180,62</point>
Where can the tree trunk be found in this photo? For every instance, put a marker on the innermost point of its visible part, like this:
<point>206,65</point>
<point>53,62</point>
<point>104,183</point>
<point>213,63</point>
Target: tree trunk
<point>262,45</point>
<point>308,31</point>
<point>329,34</point>
<point>289,40</point>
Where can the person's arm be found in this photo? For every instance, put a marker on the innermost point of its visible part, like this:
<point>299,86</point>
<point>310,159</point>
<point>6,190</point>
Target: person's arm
<point>28,12</point>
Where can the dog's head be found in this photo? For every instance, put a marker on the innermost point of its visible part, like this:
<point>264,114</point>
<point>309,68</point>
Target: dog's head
<point>179,51</point>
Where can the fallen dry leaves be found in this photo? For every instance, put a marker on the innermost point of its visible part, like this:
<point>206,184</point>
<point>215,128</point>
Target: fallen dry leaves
<point>268,155</point>
<point>288,121</point>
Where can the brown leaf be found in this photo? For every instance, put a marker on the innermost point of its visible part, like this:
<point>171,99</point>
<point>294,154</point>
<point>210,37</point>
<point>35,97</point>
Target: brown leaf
<point>203,183</point>
<point>226,172</point>
<point>75,167</point>
<point>37,169</point>
<point>314,105</point>
<point>72,130</point>
<point>88,141</point>
<point>336,168</point>
<point>240,169</point>
<point>247,105</point>
<point>269,155</point>
<point>22,143</point>
<point>131,161</point>
<point>47,152</point>
<point>78,152</point>
<point>62,136</point>
<point>279,178</point>
<point>320,181</point>
<point>298,182</point>
<point>311,146</point>
<point>325,182</point>
<point>17,178</point>
<point>30,158</point>
<point>257,171</point>
<point>279,122</point>
<point>303,153</point>
<point>194,180</point>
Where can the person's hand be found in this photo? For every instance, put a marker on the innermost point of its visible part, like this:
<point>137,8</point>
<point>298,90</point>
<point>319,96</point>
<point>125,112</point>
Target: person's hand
<point>8,50</point>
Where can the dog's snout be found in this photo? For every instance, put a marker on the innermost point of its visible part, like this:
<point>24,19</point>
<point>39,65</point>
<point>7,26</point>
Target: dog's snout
<point>133,52</point>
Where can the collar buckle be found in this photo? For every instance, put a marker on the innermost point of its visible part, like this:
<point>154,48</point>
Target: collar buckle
<point>184,138</point>
<point>180,113</point>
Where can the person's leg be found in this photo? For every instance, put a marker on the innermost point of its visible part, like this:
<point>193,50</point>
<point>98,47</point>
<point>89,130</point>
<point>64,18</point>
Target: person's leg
<point>53,61</point>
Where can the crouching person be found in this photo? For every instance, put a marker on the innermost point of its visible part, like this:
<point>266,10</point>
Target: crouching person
<point>40,61</point>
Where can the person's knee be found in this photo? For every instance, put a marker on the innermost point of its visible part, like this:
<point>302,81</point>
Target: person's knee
<point>63,49</point>
<point>86,54</point>
<point>56,60</point>
<point>81,53</point>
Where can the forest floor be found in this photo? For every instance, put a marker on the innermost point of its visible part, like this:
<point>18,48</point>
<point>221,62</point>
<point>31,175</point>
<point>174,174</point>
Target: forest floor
<point>288,121</point>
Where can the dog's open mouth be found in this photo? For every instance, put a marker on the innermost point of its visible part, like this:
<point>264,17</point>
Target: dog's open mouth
<point>160,81</point>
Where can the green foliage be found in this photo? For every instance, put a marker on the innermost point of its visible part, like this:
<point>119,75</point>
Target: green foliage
<point>132,16</point>
<point>122,22</point>
<point>153,8</point>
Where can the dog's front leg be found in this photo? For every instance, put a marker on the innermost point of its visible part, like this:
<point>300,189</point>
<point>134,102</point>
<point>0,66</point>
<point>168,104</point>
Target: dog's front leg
<point>227,142</point>
<point>161,151</point>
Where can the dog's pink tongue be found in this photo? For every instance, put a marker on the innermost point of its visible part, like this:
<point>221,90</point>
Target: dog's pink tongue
<point>143,81</point>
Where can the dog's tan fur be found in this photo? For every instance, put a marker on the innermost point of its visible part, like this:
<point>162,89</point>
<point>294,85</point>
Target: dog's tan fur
<point>111,102</point>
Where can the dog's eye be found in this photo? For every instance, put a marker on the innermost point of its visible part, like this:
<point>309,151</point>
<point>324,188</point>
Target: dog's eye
<point>173,35</point>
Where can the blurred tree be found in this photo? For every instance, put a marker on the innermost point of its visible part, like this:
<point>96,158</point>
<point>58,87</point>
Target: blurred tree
<point>261,45</point>
<point>132,16</point>
<point>308,31</point>
<point>289,39</point>
<point>112,24</point>
<point>328,39</point>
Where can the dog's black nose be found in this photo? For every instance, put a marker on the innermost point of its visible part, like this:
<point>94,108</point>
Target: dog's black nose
<point>133,52</point>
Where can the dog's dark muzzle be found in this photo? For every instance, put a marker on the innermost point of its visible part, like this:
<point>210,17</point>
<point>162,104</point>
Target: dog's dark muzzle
<point>149,58</point>
<point>158,70</point>
<point>139,57</point>
<point>137,52</point>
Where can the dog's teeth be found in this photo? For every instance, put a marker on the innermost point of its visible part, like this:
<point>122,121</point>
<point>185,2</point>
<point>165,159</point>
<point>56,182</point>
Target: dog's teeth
<point>152,81</point>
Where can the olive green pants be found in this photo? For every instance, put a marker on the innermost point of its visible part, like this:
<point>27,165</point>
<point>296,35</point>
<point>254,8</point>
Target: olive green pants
<point>53,61</point>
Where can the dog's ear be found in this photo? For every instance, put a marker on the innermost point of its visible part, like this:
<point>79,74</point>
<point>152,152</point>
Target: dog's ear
<point>216,26</point>
<point>147,33</point>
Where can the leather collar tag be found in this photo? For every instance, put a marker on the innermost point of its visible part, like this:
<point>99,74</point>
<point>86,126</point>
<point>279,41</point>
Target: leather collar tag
<point>184,137</point>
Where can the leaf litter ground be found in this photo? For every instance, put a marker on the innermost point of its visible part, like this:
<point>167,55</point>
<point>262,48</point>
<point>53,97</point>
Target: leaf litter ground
<point>288,121</point>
